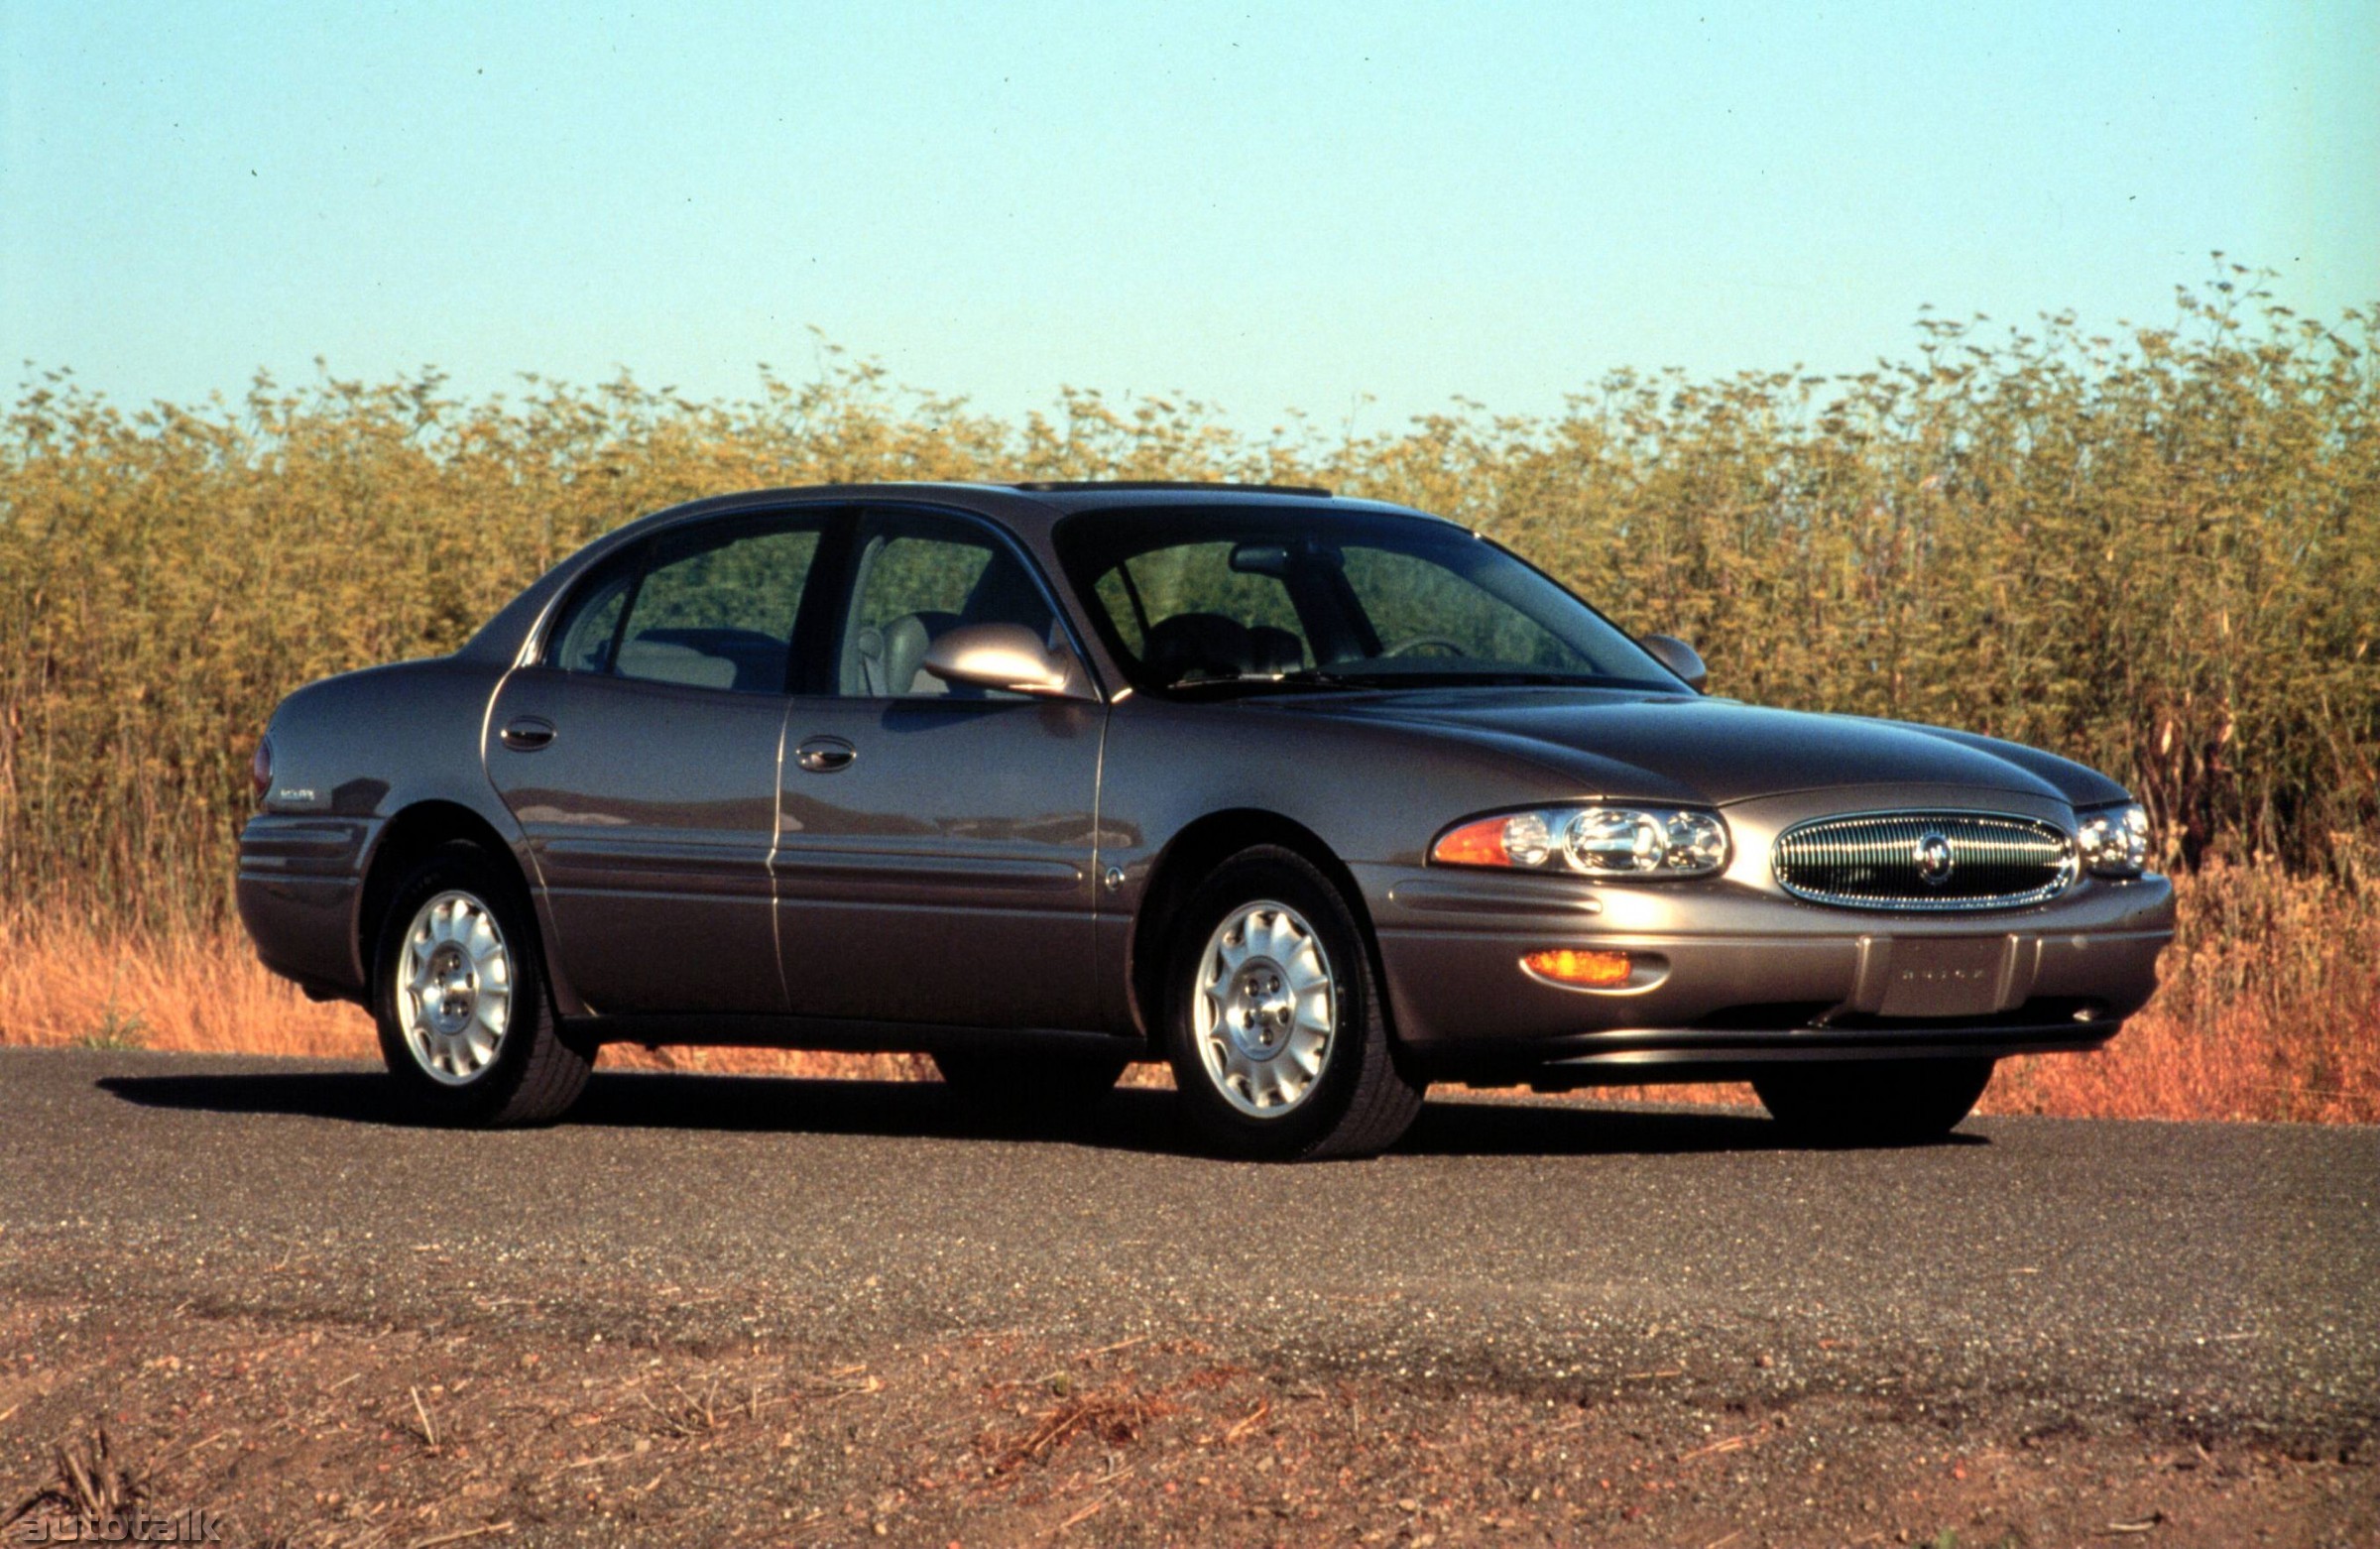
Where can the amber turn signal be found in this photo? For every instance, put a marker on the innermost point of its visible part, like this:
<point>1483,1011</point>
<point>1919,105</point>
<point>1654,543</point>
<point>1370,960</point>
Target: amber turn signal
<point>1473,844</point>
<point>1589,970</point>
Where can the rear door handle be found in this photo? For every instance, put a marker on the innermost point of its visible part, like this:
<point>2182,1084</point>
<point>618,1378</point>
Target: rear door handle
<point>825,754</point>
<point>528,734</point>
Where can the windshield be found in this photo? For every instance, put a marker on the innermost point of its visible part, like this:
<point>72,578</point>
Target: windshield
<point>1255,595</point>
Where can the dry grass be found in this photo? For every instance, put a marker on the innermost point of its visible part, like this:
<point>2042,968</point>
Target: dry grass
<point>91,1497</point>
<point>2157,552</point>
<point>72,987</point>
<point>68,985</point>
<point>2270,1010</point>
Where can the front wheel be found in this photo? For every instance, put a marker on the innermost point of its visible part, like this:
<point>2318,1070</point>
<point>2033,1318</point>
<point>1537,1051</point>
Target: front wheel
<point>1875,1102</point>
<point>465,1024</point>
<point>1274,1022</point>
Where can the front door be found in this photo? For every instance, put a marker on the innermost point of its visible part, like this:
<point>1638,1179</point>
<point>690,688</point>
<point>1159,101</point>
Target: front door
<point>935,849</point>
<point>640,756</point>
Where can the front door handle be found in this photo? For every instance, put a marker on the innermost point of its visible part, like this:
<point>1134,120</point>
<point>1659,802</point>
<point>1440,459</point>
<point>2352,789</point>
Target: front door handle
<point>825,754</point>
<point>528,734</point>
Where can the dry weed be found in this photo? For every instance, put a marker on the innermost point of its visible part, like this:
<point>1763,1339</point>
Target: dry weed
<point>2269,1010</point>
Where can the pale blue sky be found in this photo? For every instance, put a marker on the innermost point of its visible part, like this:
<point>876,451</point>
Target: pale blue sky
<point>1260,207</point>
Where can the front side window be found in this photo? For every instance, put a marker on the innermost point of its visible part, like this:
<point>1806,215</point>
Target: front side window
<point>1248,595</point>
<point>919,576</point>
<point>710,609</point>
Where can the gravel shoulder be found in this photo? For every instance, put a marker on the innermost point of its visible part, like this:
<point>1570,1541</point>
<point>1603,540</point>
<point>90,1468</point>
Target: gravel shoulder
<point>810,1311</point>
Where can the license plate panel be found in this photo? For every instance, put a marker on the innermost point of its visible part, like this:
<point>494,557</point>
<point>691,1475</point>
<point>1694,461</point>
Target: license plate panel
<point>1944,977</point>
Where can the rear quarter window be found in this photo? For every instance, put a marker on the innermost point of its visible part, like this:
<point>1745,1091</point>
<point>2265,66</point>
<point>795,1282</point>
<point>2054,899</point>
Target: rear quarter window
<point>584,642</point>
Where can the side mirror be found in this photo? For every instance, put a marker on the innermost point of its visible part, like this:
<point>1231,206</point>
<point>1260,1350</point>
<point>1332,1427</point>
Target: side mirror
<point>1009,656</point>
<point>1680,658</point>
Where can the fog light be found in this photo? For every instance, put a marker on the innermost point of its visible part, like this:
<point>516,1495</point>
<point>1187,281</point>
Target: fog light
<point>1589,970</point>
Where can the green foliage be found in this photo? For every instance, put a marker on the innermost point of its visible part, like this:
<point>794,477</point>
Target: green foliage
<point>116,1030</point>
<point>2158,553</point>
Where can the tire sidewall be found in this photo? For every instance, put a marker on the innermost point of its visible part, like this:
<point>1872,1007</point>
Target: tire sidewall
<point>1280,877</point>
<point>462,868</point>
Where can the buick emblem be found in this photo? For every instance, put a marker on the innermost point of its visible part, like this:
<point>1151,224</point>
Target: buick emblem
<point>1935,863</point>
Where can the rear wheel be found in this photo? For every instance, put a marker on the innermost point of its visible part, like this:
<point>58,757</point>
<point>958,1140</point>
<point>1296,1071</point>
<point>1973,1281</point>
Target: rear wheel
<point>465,1024</point>
<point>1279,1045</point>
<point>1875,1102</point>
<point>1028,1086</point>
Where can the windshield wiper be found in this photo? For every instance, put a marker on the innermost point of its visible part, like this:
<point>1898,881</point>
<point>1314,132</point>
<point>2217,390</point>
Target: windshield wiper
<point>1490,676</point>
<point>1327,678</point>
<point>1256,682</point>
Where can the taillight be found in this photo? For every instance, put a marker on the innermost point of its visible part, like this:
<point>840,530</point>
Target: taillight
<point>260,768</point>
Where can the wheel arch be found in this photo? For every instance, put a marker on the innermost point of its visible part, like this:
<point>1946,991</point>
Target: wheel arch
<point>408,839</point>
<point>1189,857</point>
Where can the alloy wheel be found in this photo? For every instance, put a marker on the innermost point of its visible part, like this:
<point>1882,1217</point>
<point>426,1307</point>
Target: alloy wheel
<point>454,988</point>
<point>1265,1009</point>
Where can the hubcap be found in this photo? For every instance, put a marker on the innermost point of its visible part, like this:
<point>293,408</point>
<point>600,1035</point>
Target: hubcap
<point>454,989</point>
<point>1265,1010</point>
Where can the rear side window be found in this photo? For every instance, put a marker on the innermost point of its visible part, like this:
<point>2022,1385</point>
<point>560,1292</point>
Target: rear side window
<point>715,609</point>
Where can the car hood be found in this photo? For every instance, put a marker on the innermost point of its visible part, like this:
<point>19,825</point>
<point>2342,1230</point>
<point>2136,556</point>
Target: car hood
<point>1677,749</point>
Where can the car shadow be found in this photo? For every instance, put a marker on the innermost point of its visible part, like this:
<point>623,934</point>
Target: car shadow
<point>1128,1118</point>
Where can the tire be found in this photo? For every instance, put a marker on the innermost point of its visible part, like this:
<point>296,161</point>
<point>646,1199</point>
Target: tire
<point>1875,1102</point>
<point>451,1065</point>
<point>1026,1086</point>
<point>1252,1094</point>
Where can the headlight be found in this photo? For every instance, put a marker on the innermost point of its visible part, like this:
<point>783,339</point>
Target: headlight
<point>2114,841</point>
<point>1640,842</point>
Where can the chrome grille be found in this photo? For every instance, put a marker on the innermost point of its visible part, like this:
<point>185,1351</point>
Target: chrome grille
<point>1895,861</point>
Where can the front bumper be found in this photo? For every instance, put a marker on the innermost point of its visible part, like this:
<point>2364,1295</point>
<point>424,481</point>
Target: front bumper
<point>1739,978</point>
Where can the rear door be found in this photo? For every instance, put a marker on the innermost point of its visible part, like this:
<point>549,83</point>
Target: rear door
<point>935,846</point>
<point>640,756</point>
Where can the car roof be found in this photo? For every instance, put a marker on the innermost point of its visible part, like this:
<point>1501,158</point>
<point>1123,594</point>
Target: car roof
<point>1031,509</point>
<point>1028,511</point>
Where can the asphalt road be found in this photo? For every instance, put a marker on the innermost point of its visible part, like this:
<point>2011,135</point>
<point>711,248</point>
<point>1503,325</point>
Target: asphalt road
<point>2212,1279</point>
